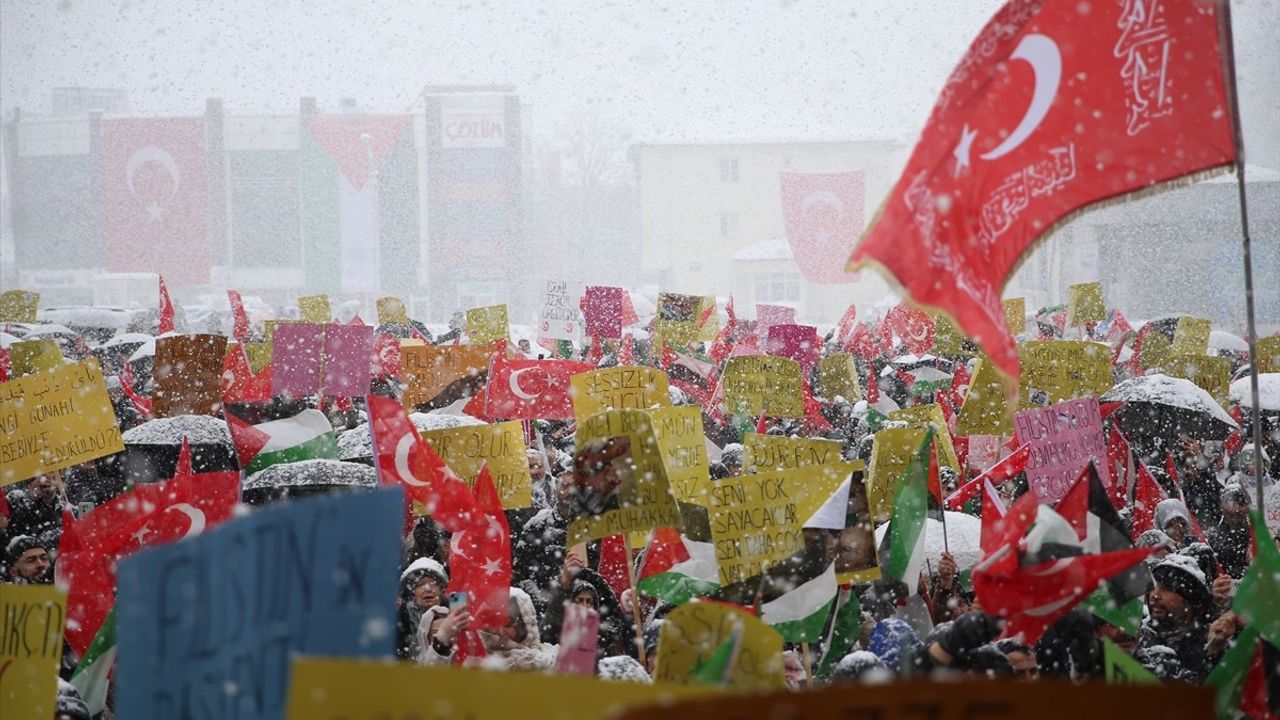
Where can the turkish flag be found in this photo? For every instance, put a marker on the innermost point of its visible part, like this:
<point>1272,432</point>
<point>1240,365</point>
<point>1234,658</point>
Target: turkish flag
<point>1050,110</point>
<point>157,197</point>
<point>522,389</point>
<point>240,318</point>
<point>1147,494</point>
<point>912,326</point>
<point>823,214</point>
<point>480,558</point>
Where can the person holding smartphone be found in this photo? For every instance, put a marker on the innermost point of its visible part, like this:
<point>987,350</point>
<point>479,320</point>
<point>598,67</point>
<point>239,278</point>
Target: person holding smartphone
<point>440,629</point>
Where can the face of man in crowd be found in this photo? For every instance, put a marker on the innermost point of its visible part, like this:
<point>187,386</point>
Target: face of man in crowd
<point>44,488</point>
<point>1177,530</point>
<point>1234,514</point>
<point>585,598</point>
<point>1024,664</point>
<point>32,565</point>
<point>1166,605</point>
<point>536,470</point>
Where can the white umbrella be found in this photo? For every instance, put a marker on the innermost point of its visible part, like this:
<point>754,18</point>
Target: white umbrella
<point>964,533</point>
<point>1221,340</point>
<point>129,338</point>
<point>1241,392</point>
<point>51,329</point>
<point>198,429</point>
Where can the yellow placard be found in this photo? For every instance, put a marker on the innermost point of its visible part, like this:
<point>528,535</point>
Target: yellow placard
<point>985,410</point>
<point>1269,354</point>
<point>838,377</point>
<point>763,384</point>
<point>684,451</point>
<point>677,319</point>
<point>1212,374</point>
<point>1015,315</point>
<point>28,357</point>
<point>758,520</point>
<point>19,306</point>
<point>428,370</point>
<point>619,493</point>
<point>948,339</point>
<point>1064,369</point>
<point>923,416</point>
<point>344,689</point>
<point>259,355</point>
<point>1085,304</point>
<point>466,449</point>
<point>709,330</point>
<point>32,618</point>
<point>314,309</point>
<point>618,388</point>
<point>1155,351</point>
<point>891,452</point>
<point>692,633</point>
<point>763,453</point>
<point>391,311</point>
<point>487,324</point>
<point>1191,337</point>
<point>55,419</point>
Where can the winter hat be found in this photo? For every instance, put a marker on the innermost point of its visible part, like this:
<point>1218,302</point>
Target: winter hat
<point>424,566</point>
<point>731,453</point>
<point>580,585</point>
<point>21,544</point>
<point>1169,509</point>
<point>622,668</point>
<point>1204,557</point>
<point>1234,493</point>
<point>1182,574</point>
<point>73,707</point>
<point>888,638</point>
<point>1155,539</point>
<point>860,665</point>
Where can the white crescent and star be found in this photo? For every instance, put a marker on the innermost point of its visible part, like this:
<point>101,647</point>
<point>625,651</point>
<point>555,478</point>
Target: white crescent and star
<point>402,461</point>
<point>194,514</point>
<point>151,153</point>
<point>514,382</point>
<point>1041,52</point>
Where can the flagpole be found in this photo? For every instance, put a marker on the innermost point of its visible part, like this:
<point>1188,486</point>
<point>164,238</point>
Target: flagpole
<point>1228,46</point>
<point>635,601</point>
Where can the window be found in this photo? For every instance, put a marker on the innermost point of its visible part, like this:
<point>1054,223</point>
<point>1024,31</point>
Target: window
<point>729,170</point>
<point>729,222</point>
<point>778,287</point>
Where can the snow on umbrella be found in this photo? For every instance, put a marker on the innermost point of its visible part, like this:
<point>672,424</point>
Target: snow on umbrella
<point>47,329</point>
<point>1241,392</point>
<point>130,338</point>
<point>151,449</point>
<point>1221,340</point>
<point>1162,406</point>
<point>356,443</point>
<point>963,535</point>
<point>285,481</point>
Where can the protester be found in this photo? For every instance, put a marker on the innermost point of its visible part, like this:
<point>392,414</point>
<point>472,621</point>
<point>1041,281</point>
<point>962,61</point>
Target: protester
<point>1179,609</point>
<point>36,510</point>
<point>27,560</point>
<point>1172,518</point>
<point>1231,537</point>
<point>422,587</point>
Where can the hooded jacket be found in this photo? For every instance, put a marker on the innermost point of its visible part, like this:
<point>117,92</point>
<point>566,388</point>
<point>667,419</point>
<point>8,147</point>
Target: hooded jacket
<point>615,626</point>
<point>409,616</point>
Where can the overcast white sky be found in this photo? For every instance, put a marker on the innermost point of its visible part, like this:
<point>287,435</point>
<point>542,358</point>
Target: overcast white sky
<point>673,71</point>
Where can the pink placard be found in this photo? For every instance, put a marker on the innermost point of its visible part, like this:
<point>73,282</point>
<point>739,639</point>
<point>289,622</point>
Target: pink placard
<point>295,359</point>
<point>770,315</point>
<point>579,634</point>
<point>347,353</point>
<point>1063,437</point>
<point>602,311</point>
<point>798,342</point>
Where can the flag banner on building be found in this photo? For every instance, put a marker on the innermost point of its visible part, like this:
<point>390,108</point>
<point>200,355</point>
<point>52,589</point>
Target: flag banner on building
<point>157,198</point>
<point>823,214</point>
<point>1049,111</point>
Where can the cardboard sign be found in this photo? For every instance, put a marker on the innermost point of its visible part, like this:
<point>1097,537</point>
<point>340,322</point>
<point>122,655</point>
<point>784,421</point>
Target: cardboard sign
<point>618,388</point>
<point>891,452</point>
<point>677,320</point>
<point>437,375</point>
<point>693,632</point>
<point>763,453</point>
<point>763,384</point>
<point>948,339</point>
<point>330,689</point>
<point>769,315</point>
<point>1064,439</point>
<point>1213,374</point>
<point>620,483</point>
<point>1269,354</point>
<point>560,317</point>
<point>1191,337</point>
<point>1015,315</point>
<point>838,377</point>
<point>985,410</point>
<point>1057,370</point>
<point>466,449</point>
<point>28,357</point>
<point>391,311</point>
<point>798,342</point>
<point>188,375</point>
<point>259,355</point>
<point>856,560</point>
<point>348,352</point>
<point>487,324</point>
<point>579,636</point>
<point>602,311</point>
<point>758,520</point>
<point>55,419</point>
<point>1155,351</point>
<point>210,625</point>
<point>19,306</point>
<point>707,331</point>
<point>977,700</point>
<point>684,451</point>
<point>314,309</point>
<point>1085,304</point>
<point>296,359</point>
<point>924,416</point>
<point>31,622</point>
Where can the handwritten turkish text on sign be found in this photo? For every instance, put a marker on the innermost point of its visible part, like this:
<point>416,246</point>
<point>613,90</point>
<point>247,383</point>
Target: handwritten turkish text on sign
<point>31,623</point>
<point>1064,438</point>
<point>984,411</point>
<point>838,377</point>
<point>693,632</point>
<point>758,520</point>
<point>1063,369</point>
<point>763,384</point>
<point>684,451</point>
<point>429,370</point>
<point>762,453</point>
<point>619,480</point>
<point>229,609</point>
<point>618,388</point>
<point>1212,374</point>
<point>466,449</point>
<point>560,317</point>
<point>55,419</point>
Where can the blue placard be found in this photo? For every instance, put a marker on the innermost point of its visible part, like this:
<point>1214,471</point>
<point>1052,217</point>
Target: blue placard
<point>207,627</point>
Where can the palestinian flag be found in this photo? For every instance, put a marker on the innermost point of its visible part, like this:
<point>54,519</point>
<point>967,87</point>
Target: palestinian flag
<point>92,674</point>
<point>304,436</point>
<point>844,630</point>
<point>799,615</point>
<point>679,567</point>
<point>907,524</point>
<point>718,666</point>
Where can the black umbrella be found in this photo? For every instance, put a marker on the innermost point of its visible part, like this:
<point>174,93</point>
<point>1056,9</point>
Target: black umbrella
<point>294,480</point>
<point>1162,406</point>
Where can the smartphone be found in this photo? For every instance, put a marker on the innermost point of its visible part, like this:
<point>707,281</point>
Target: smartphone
<point>457,600</point>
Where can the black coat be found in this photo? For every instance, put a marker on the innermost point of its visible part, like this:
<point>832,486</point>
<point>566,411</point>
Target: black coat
<point>29,515</point>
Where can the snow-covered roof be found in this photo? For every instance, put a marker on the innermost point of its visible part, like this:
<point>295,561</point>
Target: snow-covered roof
<point>773,249</point>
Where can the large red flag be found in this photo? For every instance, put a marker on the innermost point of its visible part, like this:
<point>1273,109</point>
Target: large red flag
<point>1051,109</point>
<point>480,558</point>
<point>240,318</point>
<point>157,197</point>
<point>166,310</point>
<point>823,214</point>
<point>1147,494</point>
<point>531,389</point>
